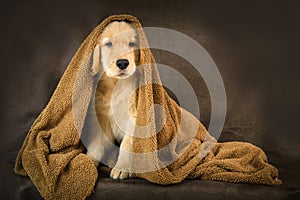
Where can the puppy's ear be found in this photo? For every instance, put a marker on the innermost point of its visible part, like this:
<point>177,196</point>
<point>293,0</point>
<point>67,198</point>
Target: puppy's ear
<point>96,60</point>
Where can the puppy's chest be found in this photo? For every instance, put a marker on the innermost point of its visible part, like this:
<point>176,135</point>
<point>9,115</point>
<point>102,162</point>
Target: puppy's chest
<point>116,104</point>
<point>118,100</point>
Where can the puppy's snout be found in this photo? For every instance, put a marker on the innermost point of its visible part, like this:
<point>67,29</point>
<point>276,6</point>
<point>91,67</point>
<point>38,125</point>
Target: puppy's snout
<point>122,63</point>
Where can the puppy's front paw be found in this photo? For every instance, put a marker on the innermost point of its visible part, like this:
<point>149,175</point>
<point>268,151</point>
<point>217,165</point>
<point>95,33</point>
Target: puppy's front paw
<point>119,174</point>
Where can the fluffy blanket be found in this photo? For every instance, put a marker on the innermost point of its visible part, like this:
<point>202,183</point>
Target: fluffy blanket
<point>54,158</point>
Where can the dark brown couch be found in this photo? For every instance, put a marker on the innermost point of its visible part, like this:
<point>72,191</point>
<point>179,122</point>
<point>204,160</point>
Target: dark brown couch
<point>255,45</point>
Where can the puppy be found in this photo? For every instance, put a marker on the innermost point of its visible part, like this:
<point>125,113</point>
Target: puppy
<point>116,56</point>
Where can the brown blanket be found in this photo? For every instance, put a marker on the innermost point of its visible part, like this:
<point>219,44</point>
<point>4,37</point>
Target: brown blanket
<point>53,156</point>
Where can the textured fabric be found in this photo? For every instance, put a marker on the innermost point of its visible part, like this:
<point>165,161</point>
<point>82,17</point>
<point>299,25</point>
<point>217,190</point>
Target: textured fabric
<point>52,154</point>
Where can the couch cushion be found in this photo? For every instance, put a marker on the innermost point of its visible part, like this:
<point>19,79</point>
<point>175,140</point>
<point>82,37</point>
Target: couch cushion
<point>21,188</point>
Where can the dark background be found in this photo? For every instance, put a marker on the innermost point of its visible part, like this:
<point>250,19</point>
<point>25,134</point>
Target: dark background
<point>255,45</point>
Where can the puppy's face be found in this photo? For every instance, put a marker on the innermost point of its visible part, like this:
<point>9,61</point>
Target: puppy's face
<point>119,50</point>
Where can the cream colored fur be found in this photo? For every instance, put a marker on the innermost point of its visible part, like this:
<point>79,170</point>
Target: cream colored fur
<point>115,113</point>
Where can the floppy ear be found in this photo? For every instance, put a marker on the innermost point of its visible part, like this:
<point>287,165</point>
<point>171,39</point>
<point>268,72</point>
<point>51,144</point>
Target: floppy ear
<point>96,60</point>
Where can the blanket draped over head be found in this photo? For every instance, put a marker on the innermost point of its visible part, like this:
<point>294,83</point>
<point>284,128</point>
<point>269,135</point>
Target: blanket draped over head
<point>53,155</point>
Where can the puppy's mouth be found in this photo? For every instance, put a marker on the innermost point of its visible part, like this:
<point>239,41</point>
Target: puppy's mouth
<point>122,74</point>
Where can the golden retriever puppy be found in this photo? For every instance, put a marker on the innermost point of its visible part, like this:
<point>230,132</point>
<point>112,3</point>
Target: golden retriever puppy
<point>116,56</point>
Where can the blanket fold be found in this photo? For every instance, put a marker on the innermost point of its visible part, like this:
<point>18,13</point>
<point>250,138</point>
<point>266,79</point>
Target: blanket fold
<point>53,155</point>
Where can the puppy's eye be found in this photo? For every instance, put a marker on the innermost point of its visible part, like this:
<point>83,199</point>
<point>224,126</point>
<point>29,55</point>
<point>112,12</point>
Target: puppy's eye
<point>131,44</point>
<point>108,44</point>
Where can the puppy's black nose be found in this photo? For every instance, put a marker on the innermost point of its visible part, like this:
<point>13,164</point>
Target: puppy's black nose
<point>122,63</point>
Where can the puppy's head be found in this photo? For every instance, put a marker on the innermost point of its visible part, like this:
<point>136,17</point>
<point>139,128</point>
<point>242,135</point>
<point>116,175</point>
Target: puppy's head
<point>117,50</point>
